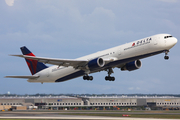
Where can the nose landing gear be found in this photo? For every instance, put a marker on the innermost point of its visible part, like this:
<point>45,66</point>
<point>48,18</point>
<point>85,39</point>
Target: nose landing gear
<point>166,57</point>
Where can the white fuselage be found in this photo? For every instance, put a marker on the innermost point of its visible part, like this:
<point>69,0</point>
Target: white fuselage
<point>120,55</point>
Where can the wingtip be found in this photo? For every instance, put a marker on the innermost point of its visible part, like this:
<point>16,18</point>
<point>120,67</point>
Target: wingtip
<point>7,76</point>
<point>16,55</point>
<point>11,55</point>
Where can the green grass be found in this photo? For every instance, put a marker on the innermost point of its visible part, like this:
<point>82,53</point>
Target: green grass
<point>132,115</point>
<point>23,119</point>
<point>156,116</point>
<point>29,119</point>
<point>116,113</point>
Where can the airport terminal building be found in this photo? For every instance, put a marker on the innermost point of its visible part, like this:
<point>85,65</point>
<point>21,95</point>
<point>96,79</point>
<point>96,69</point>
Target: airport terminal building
<point>89,102</point>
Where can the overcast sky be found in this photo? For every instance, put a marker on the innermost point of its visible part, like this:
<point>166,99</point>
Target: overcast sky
<point>74,28</point>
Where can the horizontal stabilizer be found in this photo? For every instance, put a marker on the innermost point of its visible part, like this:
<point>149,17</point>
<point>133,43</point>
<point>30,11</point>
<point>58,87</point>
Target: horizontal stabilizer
<point>24,77</point>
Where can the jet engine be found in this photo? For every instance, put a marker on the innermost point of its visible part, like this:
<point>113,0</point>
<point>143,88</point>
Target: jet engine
<point>96,63</point>
<point>132,65</point>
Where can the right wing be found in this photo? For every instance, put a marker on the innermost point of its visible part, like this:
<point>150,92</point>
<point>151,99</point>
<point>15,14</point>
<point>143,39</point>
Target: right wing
<point>61,62</point>
<point>24,77</point>
<point>77,64</point>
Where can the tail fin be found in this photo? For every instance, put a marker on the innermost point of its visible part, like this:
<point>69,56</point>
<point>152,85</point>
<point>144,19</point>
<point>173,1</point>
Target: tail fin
<point>34,65</point>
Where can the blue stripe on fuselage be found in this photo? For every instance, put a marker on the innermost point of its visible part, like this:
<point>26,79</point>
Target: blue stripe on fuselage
<point>71,76</point>
<point>109,65</point>
<point>127,60</point>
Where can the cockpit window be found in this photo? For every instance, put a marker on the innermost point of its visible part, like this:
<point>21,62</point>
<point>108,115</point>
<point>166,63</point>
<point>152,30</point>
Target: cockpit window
<point>167,37</point>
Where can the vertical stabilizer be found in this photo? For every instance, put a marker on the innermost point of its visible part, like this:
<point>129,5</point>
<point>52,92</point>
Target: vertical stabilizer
<point>34,65</point>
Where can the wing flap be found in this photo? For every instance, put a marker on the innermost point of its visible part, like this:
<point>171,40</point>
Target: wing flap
<point>23,77</point>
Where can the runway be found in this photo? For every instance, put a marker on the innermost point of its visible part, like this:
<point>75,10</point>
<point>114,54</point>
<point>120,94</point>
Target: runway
<point>56,115</point>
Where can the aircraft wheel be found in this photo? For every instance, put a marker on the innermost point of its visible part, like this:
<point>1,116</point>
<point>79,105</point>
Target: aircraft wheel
<point>90,77</point>
<point>166,57</point>
<point>109,78</point>
<point>84,77</point>
<point>113,78</point>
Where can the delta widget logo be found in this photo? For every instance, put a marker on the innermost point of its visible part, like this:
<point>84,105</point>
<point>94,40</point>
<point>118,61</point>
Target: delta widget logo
<point>133,44</point>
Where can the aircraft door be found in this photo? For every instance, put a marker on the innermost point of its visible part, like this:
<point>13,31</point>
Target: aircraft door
<point>48,72</point>
<point>120,51</point>
<point>155,41</point>
<point>165,42</point>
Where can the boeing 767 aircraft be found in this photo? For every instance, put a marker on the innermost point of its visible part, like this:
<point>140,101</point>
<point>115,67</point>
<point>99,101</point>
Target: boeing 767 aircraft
<point>125,57</point>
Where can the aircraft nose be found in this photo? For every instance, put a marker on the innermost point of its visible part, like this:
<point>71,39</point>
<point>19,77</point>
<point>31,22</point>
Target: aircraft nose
<point>171,42</point>
<point>174,41</point>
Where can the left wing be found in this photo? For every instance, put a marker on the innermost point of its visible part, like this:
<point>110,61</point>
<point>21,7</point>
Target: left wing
<point>61,62</point>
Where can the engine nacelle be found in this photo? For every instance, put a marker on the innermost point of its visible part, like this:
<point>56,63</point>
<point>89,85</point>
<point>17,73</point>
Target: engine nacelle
<point>96,63</point>
<point>132,65</point>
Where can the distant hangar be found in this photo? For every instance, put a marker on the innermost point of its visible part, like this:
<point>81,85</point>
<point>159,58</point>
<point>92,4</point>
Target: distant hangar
<point>89,102</point>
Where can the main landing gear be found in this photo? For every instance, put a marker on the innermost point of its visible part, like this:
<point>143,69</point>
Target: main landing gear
<point>109,78</point>
<point>86,77</point>
<point>166,57</point>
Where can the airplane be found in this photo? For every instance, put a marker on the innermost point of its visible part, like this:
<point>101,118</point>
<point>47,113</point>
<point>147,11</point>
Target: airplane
<point>125,57</point>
